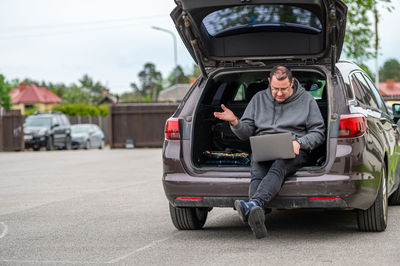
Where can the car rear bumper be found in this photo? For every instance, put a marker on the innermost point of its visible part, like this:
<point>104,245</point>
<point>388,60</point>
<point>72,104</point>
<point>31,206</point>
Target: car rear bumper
<point>324,191</point>
<point>278,202</point>
<point>76,144</point>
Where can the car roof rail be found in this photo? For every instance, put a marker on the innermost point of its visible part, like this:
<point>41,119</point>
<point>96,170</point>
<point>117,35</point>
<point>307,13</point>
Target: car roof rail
<point>345,61</point>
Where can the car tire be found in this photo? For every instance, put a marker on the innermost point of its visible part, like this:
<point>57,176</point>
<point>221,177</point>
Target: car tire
<point>36,148</point>
<point>49,144</point>
<point>394,199</point>
<point>101,144</point>
<point>188,218</point>
<point>87,144</point>
<point>68,143</point>
<point>374,219</point>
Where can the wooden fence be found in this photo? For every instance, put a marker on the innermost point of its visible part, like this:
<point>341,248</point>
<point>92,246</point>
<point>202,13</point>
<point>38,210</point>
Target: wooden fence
<point>11,130</point>
<point>101,121</point>
<point>142,123</point>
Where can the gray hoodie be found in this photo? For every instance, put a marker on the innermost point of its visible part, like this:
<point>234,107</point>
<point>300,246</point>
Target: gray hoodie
<point>298,114</point>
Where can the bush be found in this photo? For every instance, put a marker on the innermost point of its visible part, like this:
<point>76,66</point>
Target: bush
<point>83,109</point>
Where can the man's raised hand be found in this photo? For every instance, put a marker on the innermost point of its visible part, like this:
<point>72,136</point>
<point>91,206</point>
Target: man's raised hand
<point>226,115</point>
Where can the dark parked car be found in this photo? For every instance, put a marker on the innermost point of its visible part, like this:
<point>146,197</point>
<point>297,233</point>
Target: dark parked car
<point>50,130</point>
<point>236,44</point>
<point>87,136</point>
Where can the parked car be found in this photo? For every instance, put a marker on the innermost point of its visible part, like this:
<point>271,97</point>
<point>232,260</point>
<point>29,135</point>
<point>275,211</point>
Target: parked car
<point>87,136</point>
<point>236,44</point>
<point>50,130</point>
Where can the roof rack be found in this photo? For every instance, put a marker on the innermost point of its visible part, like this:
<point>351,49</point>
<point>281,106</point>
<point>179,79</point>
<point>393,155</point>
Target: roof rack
<point>46,113</point>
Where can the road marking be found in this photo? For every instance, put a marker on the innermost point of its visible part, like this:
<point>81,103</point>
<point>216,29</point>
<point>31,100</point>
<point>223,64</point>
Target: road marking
<point>152,244</point>
<point>53,261</point>
<point>155,242</point>
<point>4,233</point>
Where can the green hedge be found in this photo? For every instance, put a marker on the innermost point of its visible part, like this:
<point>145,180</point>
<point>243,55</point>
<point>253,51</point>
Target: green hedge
<point>83,109</point>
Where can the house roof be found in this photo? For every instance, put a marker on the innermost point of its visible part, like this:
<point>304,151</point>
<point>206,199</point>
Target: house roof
<point>33,94</point>
<point>389,88</point>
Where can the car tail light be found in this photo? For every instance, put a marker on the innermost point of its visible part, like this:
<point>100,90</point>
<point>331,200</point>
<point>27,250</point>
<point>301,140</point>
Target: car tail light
<point>324,198</point>
<point>172,129</point>
<point>189,198</point>
<point>351,126</point>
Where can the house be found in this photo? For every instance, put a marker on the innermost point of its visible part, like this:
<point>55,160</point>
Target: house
<point>107,98</point>
<point>390,90</point>
<point>27,96</point>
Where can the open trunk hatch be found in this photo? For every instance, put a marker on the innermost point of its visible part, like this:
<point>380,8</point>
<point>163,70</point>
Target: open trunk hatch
<point>222,32</point>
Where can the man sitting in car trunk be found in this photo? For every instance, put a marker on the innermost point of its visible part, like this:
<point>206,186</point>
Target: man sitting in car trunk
<point>284,107</point>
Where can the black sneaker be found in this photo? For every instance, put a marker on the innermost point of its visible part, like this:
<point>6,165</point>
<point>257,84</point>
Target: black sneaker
<point>256,220</point>
<point>244,208</point>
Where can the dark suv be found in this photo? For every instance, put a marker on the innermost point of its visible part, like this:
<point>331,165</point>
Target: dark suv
<point>236,44</point>
<point>50,130</point>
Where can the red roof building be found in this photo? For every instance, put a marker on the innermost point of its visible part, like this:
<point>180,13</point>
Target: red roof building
<point>28,96</point>
<point>389,88</point>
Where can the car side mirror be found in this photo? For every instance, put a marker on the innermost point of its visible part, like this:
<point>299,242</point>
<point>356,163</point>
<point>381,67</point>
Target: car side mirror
<point>396,110</point>
<point>55,125</point>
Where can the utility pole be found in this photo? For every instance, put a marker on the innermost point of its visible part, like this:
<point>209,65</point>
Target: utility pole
<point>376,46</point>
<point>175,57</point>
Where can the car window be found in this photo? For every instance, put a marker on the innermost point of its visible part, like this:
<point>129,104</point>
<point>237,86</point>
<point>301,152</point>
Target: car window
<point>218,95</point>
<point>378,97</point>
<point>65,121</point>
<point>359,96</point>
<point>240,96</point>
<point>369,98</point>
<point>245,17</point>
<point>317,88</point>
<point>54,121</point>
<point>37,121</point>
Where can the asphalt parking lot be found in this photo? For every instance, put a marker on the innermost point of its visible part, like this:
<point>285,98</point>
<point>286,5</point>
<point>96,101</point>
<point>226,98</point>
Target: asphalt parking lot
<point>105,207</point>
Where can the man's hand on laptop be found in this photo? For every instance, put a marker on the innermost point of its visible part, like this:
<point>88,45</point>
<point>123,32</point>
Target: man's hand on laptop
<point>226,115</point>
<point>296,147</point>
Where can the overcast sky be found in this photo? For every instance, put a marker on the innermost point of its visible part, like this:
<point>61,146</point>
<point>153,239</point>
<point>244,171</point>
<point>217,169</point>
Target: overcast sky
<point>110,40</point>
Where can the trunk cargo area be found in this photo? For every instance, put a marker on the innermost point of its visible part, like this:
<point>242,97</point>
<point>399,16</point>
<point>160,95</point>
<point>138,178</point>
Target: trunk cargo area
<point>214,145</point>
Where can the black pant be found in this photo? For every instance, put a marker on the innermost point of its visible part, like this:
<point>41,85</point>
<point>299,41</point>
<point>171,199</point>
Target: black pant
<point>267,177</point>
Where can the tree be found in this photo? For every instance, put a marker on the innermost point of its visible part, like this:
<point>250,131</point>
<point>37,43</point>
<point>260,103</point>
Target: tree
<point>361,42</point>
<point>151,83</point>
<point>94,89</point>
<point>5,100</point>
<point>357,40</point>
<point>390,70</point>
<point>177,77</point>
<point>196,72</point>
<point>74,94</point>
<point>127,97</point>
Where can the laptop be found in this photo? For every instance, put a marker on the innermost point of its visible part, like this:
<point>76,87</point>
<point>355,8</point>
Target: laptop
<point>272,146</point>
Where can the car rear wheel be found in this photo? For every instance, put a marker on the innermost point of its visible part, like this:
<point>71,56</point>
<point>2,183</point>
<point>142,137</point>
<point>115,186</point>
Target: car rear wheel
<point>101,144</point>
<point>374,219</point>
<point>87,144</point>
<point>68,143</point>
<point>188,218</point>
<point>394,199</point>
<point>49,144</point>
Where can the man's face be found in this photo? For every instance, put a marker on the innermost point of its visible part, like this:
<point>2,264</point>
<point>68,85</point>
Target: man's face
<point>281,89</point>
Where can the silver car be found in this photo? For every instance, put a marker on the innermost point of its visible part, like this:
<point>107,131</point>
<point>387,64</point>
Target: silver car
<point>87,136</point>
